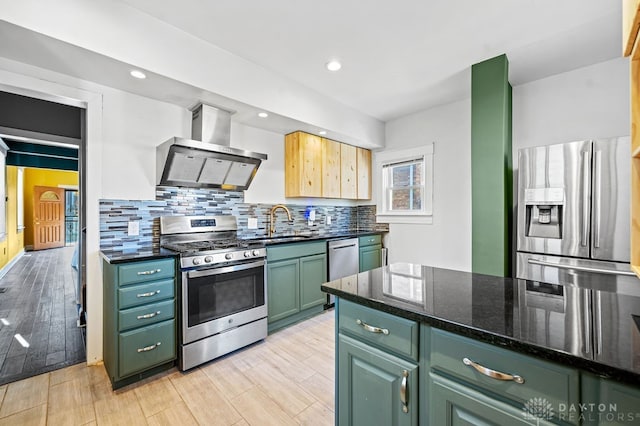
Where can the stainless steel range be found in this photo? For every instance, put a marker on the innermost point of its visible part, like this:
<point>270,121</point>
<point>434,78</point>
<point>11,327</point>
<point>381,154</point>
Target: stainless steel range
<point>223,288</point>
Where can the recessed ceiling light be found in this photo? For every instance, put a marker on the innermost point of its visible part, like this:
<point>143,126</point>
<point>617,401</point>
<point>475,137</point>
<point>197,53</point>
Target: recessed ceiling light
<point>263,115</point>
<point>322,132</point>
<point>138,74</point>
<point>334,65</point>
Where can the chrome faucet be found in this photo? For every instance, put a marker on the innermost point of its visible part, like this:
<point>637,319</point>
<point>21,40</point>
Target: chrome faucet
<point>272,217</point>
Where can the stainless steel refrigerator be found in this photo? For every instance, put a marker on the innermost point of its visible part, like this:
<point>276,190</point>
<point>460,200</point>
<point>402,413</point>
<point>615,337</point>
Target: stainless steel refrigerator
<point>574,214</point>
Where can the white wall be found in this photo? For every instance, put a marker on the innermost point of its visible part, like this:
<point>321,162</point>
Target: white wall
<point>586,103</point>
<point>447,242</point>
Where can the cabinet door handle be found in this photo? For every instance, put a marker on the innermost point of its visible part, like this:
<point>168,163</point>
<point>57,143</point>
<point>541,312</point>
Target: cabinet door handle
<point>149,315</point>
<point>371,328</point>
<point>148,348</point>
<point>493,373</point>
<point>404,391</point>
<point>150,272</point>
<point>151,293</point>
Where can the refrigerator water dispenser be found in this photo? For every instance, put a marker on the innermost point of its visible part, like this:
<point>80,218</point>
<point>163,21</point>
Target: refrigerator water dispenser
<point>544,212</point>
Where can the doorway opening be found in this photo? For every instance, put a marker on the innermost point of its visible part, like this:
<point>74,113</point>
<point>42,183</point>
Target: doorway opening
<point>42,273</point>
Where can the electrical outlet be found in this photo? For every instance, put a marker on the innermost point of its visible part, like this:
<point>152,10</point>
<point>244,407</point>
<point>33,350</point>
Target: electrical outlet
<point>312,215</point>
<point>133,228</point>
<point>252,223</point>
<point>328,220</point>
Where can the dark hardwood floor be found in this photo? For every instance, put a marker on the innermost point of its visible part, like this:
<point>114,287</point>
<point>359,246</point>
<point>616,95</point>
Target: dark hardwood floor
<point>37,302</point>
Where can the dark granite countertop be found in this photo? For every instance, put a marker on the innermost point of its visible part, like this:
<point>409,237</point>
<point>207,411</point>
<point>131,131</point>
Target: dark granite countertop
<point>133,255</point>
<point>553,322</point>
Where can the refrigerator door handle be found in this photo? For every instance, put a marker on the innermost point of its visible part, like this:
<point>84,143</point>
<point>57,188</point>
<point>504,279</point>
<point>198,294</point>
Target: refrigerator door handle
<point>587,322</point>
<point>597,327</point>
<point>585,199</point>
<point>580,268</point>
<point>597,202</point>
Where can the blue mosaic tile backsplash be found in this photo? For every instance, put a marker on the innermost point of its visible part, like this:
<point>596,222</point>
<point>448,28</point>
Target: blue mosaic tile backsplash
<point>170,201</point>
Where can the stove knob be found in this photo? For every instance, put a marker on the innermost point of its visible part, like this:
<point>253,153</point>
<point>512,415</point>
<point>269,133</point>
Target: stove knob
<point>256,252</point>
<point>197,261</point>
<point>208,259</point>
<point>228,256</point>
<point>247,254</point>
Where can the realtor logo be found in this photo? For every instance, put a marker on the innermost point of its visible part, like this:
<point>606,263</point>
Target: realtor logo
<point>538,408</point>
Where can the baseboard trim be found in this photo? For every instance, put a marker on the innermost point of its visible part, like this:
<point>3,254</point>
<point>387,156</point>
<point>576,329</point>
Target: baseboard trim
<point>6,268</point>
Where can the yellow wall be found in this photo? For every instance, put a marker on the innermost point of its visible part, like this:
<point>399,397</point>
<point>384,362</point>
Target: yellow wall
<point>15,239</point>
<point>41,177</point>
<point>14,243</point>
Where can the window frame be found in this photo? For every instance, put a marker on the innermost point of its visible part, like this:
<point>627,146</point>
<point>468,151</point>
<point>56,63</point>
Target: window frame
<point>385,159</point>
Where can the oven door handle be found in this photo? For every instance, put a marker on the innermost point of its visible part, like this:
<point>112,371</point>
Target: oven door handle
<point>224,270</point>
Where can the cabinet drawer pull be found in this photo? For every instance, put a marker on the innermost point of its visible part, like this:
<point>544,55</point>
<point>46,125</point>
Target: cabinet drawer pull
<point>150,272</point>
<point>371,328</point>
<point>149,315</point>
<point>493,373</point>
<point>148,348</point>
<point>404,391</point>
<point>151,293</point>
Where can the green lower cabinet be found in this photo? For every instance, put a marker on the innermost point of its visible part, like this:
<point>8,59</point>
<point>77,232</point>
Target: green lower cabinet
<point>295,273</point>
<point>313,272</point>
<point>283,284</point>
<point>606,402</point>
<point>452,404</point>
<point>375,387</point>
<point>139,322</point>
<point>370,257</point>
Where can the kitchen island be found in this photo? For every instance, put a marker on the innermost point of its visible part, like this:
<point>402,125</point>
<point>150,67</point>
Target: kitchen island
<point>423,345</point>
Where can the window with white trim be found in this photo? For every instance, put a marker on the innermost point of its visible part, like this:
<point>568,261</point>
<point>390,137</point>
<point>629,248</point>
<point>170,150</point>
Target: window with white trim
<point>406,185</point>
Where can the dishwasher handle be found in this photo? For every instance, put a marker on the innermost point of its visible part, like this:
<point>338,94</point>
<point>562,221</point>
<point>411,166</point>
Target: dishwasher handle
<point>341,247</point>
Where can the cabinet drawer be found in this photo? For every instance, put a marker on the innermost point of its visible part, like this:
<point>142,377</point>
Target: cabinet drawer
<point>289,251</point>
<point>401,336</point>
<point>145,293</point>
<point>146,347</point>
<point>146,271</point>
<point>558,384</point>
<point>369,240</point>
<point>146,314</point>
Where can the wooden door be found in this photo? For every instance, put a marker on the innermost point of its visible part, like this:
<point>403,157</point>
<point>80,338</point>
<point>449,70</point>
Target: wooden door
<point>48,217</point>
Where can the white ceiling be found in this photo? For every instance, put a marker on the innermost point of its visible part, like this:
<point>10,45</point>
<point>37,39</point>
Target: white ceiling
<point>405,55</point>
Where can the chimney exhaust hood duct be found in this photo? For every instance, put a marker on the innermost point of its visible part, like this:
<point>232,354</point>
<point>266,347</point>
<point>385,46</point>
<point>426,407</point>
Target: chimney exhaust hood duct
<point>207,160</point>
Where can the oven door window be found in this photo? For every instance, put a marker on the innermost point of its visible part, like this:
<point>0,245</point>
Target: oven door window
<point>220,292</point>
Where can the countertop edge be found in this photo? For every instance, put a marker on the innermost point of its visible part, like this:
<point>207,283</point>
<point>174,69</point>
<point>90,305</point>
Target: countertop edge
<point>116,257</point>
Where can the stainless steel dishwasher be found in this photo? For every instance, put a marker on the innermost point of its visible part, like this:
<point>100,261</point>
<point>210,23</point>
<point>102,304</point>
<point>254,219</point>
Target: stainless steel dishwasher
<point>344,260</point>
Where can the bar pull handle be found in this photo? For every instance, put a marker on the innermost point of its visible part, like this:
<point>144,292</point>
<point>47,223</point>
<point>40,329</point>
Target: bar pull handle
<point>597,204</point>
<point>493,373</point>
<point>148,348</point>
<point>580,268</point>
<point>404,391</point>
<point>586,189</point>
<point>149,315</point>
<point>371,328</point>
<point>149,294</point>
<point>150,272</point>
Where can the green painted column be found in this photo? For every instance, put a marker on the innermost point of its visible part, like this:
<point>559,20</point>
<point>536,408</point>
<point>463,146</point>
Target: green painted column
<point>491,168</point>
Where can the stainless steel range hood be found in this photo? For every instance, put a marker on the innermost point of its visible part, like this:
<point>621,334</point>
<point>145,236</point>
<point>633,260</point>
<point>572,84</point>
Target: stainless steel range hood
<point>207,160</point>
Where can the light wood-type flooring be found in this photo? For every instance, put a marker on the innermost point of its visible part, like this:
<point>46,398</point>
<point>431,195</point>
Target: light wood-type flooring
<point>38,315</point>
<point>287,379</point>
